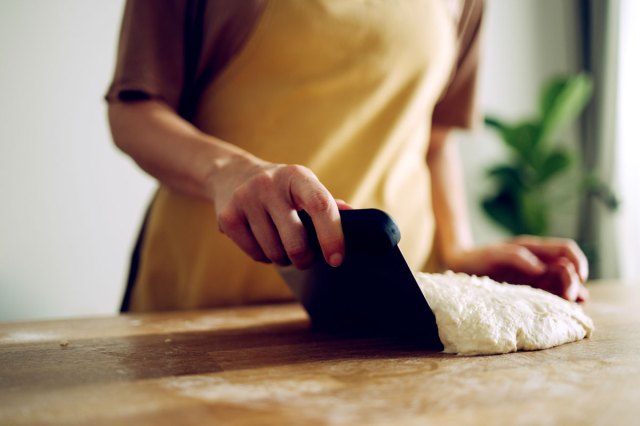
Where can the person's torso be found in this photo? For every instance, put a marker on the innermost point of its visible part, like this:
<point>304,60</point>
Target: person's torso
<point>346,88</point>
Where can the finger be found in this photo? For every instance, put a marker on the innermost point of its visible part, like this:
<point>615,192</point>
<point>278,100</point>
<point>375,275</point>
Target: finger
<point>234,225</point>
<point>517,257</point>
<point>343,205</point>
<point>267,236</point>
<point>569,280</point>
<point>309,194</point>
<point>292,234</point>
<point>583,294</point>
<point>556,248</point>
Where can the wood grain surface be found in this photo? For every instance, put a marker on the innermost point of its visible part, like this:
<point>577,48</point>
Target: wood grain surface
<point>262,365</point>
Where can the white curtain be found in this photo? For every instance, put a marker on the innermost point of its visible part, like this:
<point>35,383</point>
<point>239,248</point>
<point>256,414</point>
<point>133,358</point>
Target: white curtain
<point>627,136</point>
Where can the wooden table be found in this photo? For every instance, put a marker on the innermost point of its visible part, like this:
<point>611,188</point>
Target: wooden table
<point>262,365</point>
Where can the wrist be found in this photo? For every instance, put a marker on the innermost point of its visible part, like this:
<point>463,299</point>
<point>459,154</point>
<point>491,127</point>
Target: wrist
<point>226,166</point>
<point>451,257</point>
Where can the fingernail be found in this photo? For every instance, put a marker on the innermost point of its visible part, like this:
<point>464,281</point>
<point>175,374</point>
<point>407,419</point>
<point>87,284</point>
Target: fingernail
<point>584,273</point>
<point>572,292</point>
<point>335,260</point>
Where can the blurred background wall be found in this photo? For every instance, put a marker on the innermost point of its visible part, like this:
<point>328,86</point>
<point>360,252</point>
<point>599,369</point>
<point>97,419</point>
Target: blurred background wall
<point>70,203</point>
<point>625,170</point>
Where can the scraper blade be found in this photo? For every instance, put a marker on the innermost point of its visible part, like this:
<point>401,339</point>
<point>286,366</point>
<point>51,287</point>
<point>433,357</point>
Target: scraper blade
<point>373,293</point>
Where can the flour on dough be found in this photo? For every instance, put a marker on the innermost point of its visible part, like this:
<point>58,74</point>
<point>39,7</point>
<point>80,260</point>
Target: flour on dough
<point>479,316</point>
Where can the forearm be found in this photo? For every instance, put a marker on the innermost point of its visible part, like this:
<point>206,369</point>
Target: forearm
<point>169,148</point>
<point>448,196</point>
<point>255,201</point>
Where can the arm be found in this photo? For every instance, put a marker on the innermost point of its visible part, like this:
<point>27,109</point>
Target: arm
<point>255,201</point>
<point>448,196</point>
<point>556,265</point>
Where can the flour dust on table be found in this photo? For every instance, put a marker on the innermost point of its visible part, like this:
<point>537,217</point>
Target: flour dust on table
<point>479,316</point>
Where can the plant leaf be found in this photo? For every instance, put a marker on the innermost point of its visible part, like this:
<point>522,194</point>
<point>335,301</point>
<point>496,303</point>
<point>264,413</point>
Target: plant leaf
<point>495,123</point>
<point>503,129</point>
<point>501,208</point>
<point>534,213</point>
<point>506,175</point>
<point>522,138</point>
<point>555,163</point>
<point>563,98</point>
<point>601,191</point>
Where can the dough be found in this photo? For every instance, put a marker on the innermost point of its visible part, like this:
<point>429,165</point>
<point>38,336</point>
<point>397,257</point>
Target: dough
<point>479,316</point>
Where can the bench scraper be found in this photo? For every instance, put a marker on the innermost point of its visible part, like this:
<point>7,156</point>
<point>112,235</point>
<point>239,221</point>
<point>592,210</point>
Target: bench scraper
<point>373,292</point>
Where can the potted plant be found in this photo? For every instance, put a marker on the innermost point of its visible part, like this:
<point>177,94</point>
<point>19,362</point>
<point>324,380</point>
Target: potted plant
<point>522,201</point>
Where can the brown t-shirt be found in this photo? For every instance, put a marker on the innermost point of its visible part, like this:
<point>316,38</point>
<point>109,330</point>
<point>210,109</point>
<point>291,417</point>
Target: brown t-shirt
<point>171,49</point>
<point>349,89</point>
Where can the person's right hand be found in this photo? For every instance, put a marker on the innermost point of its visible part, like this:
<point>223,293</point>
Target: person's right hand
<point>256,202</point>
<point>256,205</point>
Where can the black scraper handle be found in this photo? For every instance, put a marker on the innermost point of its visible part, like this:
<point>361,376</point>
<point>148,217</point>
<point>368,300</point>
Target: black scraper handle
<point>366,231</point>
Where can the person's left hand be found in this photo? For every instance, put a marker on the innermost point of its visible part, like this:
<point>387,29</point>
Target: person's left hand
<point>553,264</point>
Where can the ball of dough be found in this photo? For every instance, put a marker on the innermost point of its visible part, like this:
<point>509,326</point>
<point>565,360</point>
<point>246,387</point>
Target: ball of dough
<point>479,316</point>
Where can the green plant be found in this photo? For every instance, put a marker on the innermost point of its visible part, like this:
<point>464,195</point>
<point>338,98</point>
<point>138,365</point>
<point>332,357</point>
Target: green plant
<point>522,201</point>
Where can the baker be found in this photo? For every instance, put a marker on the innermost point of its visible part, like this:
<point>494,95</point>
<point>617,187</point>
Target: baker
<point>246,111</point>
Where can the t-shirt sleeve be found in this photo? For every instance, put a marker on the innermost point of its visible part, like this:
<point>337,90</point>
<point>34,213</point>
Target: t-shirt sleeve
<point>457,105</point>
<point>150,60</point>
